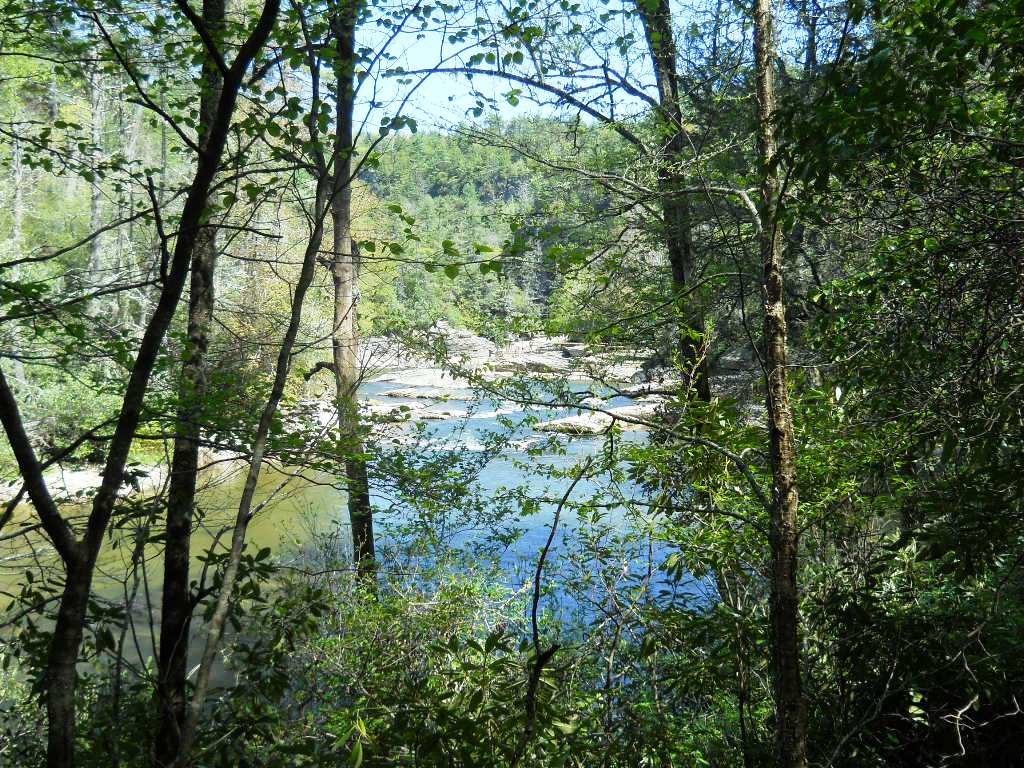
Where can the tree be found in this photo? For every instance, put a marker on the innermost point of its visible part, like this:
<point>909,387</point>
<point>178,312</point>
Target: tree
<point>344,15</point>
<point>673,196</point>
<point>177,600</point>
<point>79,555</point>
<point>784,538</point>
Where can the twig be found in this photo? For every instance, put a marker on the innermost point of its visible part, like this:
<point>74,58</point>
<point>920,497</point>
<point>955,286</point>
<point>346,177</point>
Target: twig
<point>541,658</point>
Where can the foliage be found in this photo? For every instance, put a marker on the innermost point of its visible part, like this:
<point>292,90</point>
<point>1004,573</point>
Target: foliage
<point>901,163</point>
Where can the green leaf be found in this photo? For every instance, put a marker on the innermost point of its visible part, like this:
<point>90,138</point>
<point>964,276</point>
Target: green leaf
<point>567,728</point>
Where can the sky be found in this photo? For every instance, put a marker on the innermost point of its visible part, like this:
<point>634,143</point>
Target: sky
<point>442,100</point>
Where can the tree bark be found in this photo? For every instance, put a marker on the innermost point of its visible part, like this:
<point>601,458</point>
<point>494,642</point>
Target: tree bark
<point>61,674</point>
<point>345,336</point>
<point>675,204</point>
<point>129,123</point>
<point>176,606</point>
<point>791,737</point>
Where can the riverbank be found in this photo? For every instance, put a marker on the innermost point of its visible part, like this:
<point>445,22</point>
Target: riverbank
<point>404,386</point>
<point>429,359</point>
<point>71,485</point>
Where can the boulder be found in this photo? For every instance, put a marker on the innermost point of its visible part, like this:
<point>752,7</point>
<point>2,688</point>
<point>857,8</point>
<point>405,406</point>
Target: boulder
<point>652,373</point>
<point>473,350</point>
<point>738,359</point>
<point>587,424</point>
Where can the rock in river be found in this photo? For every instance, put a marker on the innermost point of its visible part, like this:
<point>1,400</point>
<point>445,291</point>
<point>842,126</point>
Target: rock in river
<point>598,422</point>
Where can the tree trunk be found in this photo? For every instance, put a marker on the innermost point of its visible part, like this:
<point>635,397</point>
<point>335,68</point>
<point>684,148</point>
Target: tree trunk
<point>129,119</point>
<point>17,203</point>
<point>790,724</point>
<point>95,277</point>
<point>692,354</point>
<point>345,336</point>
<point>61,673</point>
<point>14,243</point>
<point>176,608</point>
<point>675,205</point>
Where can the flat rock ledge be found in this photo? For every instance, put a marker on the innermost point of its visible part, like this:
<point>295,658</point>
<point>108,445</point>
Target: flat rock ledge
<point>401,412</point>
<point>324,414</point>
<point>429,393</point>
<point>539,357</point>
<point>599,422</point>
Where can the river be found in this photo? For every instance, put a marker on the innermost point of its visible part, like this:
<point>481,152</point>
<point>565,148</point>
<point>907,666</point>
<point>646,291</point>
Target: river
<point>304,512</point>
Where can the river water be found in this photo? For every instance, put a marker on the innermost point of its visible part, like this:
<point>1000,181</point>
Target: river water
<point>307,513</point>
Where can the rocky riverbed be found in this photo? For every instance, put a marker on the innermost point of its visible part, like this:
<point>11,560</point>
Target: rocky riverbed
<point>426,389</point>
<point>388,359</point>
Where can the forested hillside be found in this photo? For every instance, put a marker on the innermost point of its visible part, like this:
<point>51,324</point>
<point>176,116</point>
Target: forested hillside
<point>585,384</point>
